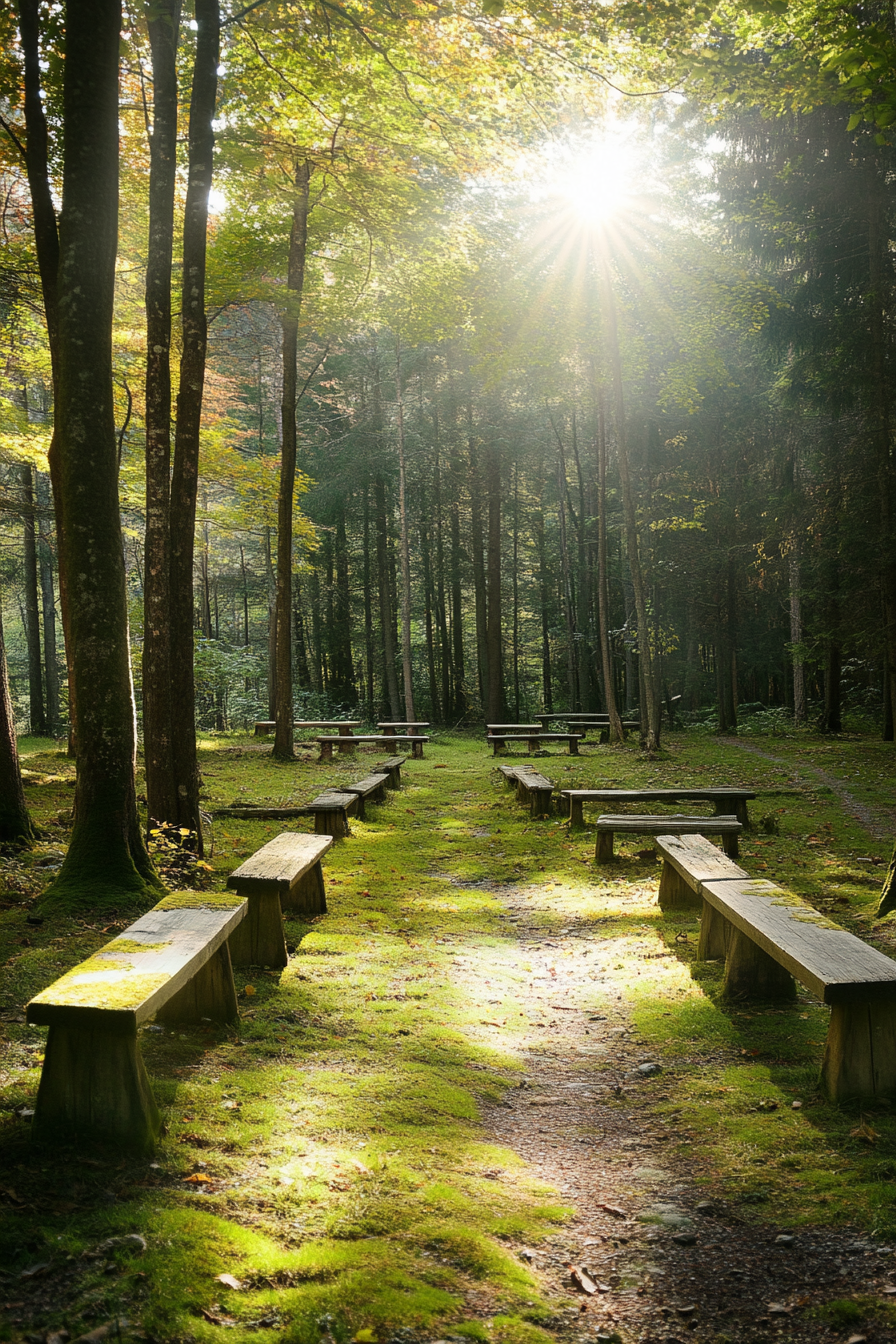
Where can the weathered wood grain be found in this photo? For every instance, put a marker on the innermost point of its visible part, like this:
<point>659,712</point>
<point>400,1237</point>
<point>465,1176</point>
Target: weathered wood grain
<point>729,828</point>
<point>687,862</point>
<point>724,799</point>
<point>279,864</point>
<point>120,986</point>
<point>833,964</point>
<point>392,768</point>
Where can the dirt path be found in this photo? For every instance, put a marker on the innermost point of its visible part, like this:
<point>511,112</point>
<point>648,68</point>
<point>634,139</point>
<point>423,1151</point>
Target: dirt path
<point>881,830</point>
<point>697,1269</point>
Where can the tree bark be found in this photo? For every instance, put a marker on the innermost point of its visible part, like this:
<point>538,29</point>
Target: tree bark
<point>385,592</point>
<point>603,586</point>
<point>406,658</point>
<point>185,471</point>
<point>15,823</point>
<point>495,706</point>
<point>639,587</point>
<point>32,605</point>
<point>48,603</point>
<point>295,282</point>
<point>106,859</point>
<point>163,23</point>
<point>547,689</point>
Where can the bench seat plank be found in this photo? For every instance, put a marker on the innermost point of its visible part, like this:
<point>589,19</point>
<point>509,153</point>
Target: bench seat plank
<point>724,798</point>
<point>689,861</point>
<point>835,965</point>
<point>372,786</point>
<point>122,984</point>
<point>392,769</point>
<point>729,828</point>
<point>415,741</point>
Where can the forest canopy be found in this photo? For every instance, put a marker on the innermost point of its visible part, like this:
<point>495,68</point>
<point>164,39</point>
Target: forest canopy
<point>461,360</point>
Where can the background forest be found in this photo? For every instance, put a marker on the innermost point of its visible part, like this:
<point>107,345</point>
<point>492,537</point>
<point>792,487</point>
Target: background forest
<point>592,387</point>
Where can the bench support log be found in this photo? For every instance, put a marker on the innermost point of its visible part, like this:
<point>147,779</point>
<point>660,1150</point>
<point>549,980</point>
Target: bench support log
<point>750,973</point>
<point>576,814</point>
<point>860,1053</point>
<point>211,992</point>
<point>333,823</point>
<point>540,802</point>
<point>715,931</point>
<point>94,1082</point>
<point>603,849</point>
<point>308,896</point>
<point>674,893</point>
<point>417,751</point>
<point>259,940</point>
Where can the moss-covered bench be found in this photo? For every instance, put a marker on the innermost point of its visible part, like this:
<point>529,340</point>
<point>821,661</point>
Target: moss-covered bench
<point>531,787</point>
<point>725,800</point>
<point>285,874</point>
<point>415,741</point>
<point>174,964</point>
<point>768,938</point>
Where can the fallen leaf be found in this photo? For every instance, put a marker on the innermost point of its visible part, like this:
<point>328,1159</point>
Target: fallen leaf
<point>198,1178</point>
<point>365,1336</point>
<point>614,1209</point>
<point>582,1279</point>
<point>778,1309</point>
<point>249,990</point>
<point>864,1132</point>
<point>215,1319</point>
<point>35,1271</point>
<point>229,1281</point>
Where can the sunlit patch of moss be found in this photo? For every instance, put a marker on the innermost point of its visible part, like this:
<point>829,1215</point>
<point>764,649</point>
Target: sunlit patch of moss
<point>200,900</point>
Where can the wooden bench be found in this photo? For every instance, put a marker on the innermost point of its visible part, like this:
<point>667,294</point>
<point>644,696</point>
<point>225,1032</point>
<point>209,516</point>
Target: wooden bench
<point>173,963</point>
<point>688,861</point>
<point>499,729</point>
<point>769,938</point>
<point>414,741</point>
<point>285,874</point>
<point>725,800</point>
<point>534,740</point>
<point>331,811</point>
<point>372,788</point>
<point>729,828</point>
<point>267,726</point>
<point>391,729</point>
<point>531,787</point>
<point>582,722</point>
<point>392,769</point>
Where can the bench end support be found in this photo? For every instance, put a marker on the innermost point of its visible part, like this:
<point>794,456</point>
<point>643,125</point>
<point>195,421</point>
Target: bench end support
<point>94,1083</point>
<point>860,1053</point>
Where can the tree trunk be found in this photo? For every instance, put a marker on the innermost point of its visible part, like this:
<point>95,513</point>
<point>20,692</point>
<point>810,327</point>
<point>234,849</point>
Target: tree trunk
<point>639,587</point>
<point>479,588</point>
<point>568,606</point>
<point>106,859</point>
<point>426,560</point>
<point>32,606</point>
<point>603,585</point>
<point>796,635</point>
<point>440,599</point>
<point>516,593</point>
<point>406,662</point>
<point>457,629</point>
<point>495,706</point>
<point>547,689</point>
<point>185,471</point>
<point>583,586</point>
<point>341,641</point>
<point>295,281</point>
<point>369,655</point>
<point>385,591</point>
<point>48,603</point>
<point>15,823</point>
<point>163,23</point>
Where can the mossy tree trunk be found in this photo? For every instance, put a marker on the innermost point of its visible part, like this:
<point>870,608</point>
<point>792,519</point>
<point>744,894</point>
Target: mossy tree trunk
<point>888,894</point>
<point>106,858</point>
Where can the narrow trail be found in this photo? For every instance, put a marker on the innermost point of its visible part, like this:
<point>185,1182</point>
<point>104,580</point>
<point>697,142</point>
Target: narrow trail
<point>872,823</point>
<point>671,1260</point>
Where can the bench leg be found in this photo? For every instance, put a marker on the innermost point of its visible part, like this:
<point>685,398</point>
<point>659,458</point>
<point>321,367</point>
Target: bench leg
<point>346,748</point>
<point>308,896</point>
<point>540,802</point>
<point>417,751</point>
<point>750,973</point>
<point>259,940</point>
<point>326,751</point>
<point>573,746</point>
<point>860,1053</point>
<point>533,744</point>
<point>675,894</point>
<point>211,992</point>
<point>576,814</point>
<point>715,931</point>
<point>331,823</point>
<point>729,844</point>
<point>94,1083</point>
<point>603,850</point>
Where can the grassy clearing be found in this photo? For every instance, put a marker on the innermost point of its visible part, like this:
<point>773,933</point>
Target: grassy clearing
<point>328,1154</point>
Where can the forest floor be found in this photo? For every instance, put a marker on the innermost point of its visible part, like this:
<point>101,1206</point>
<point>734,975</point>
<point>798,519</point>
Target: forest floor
<point>489,1063</point>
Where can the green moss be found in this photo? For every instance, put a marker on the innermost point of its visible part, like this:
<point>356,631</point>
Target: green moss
<point>200,900</point>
